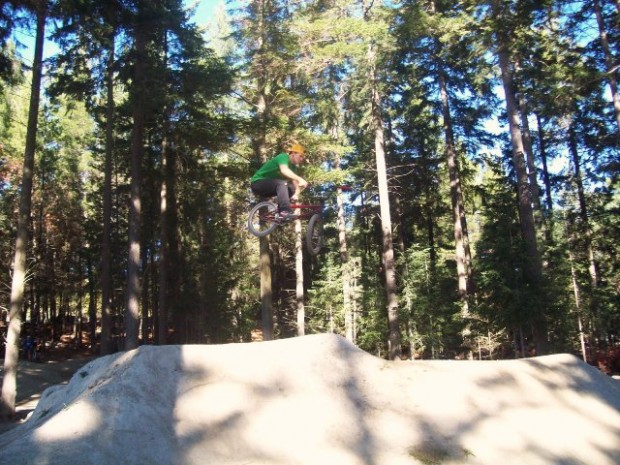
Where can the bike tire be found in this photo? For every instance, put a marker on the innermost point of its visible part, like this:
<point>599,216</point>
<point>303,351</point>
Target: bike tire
<point>314,234</point>
<point>261,220</point>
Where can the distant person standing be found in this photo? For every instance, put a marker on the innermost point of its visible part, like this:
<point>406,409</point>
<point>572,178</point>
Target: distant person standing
<point>279,177</point>
<point>29,345</point>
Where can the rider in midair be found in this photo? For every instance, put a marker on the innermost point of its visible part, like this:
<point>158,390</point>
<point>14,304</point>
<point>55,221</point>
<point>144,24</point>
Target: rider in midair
<point>279,177</point>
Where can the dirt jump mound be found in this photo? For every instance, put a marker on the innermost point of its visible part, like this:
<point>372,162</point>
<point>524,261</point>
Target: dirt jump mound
<point>319,400</point>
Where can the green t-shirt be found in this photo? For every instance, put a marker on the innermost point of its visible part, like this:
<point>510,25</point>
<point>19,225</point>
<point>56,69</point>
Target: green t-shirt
<point>271,169</point>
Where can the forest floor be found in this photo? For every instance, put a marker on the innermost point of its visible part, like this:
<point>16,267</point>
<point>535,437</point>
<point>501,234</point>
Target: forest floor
<point>313,400</point>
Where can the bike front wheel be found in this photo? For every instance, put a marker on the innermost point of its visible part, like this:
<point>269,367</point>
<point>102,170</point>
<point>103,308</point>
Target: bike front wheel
<point>262,218</point>
<point>314,234</point>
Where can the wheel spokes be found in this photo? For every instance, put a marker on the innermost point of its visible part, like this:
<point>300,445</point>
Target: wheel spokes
<point>263,218</point>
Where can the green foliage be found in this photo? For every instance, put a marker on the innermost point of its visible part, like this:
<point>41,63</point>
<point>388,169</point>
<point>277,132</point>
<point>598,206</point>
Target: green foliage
<point>429,291</point>
<point>325,310</point>
<point>309,61</point>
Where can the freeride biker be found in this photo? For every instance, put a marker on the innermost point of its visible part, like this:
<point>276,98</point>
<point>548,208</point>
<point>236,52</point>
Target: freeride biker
<point>278,177</point>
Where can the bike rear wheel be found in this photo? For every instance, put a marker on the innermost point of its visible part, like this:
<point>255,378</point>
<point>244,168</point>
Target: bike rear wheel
<point>262,218</point>
<point>314,234</point>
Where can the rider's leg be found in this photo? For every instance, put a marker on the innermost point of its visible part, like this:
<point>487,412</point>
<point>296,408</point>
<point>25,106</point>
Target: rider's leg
<point>264,187</point>
<point>282,189</point>
<point>285,191</point>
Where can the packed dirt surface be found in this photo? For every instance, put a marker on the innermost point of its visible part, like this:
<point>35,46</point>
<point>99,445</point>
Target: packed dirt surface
<point>33,378</point>
<point>319,400</point>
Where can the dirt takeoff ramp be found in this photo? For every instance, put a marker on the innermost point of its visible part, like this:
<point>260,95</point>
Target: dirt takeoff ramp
<point>318,400</point>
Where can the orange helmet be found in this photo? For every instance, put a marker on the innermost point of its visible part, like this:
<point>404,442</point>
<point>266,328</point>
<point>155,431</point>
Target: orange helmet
<point>297,148</point>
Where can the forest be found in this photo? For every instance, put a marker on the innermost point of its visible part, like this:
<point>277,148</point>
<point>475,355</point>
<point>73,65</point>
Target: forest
<point>467,155</point>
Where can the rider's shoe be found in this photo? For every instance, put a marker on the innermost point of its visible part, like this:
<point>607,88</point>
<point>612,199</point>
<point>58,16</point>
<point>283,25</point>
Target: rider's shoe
<point>286,216</point>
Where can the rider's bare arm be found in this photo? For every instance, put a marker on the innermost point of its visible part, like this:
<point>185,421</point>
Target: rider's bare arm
<point>297,180</point>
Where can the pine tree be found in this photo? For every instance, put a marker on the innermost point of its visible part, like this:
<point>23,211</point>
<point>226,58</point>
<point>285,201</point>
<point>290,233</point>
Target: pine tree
<point>9,381</point>
<point>533,265</point>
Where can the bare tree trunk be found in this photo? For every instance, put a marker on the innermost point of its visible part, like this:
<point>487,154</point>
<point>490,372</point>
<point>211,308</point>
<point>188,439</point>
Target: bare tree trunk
<point>299,280</point>
<point>349,315</point>
<point>106,254</point>
<point>546,206</point>
<point>168,271</point>
<point>11,356</point>
<point>525,198</point>
<point>266,292</point>
<point>173,278</point>
<point>533,266</point>
<point>585,228</point>
<point>577,295</point>
<point>543,156</point>
<point>92,304</point>
<point>78,320</point>
<point>394,338</point>
<point>458,209</point>
<point>162,316</point>
<point>529,152</point>
<point>164,228</point>
<point>132,311</point>
<point>461,239</point>
<point>345,265</point>
<point>386,220</point>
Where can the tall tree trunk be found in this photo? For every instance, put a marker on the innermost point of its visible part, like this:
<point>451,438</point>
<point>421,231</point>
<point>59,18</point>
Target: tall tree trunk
<point>11,356</point>
<point>586,230</point>
<point>545,165</point>
<point>260,152</point>
<point>386,220</point>
<point>106,254</point>
<point>576,293</point>
<point>92,304</point>
<point>162,316</point>
<point>529,152</point>
<point>461,238</point>
<point>458,209</point>
<point>168,272</point>
<point>132,311</point>
<point>345,265</point>
<point>266,292</point>
<point>145,289</point>
<point>164,228</point>
<point>80,311</point>
<point>532,266</point>
<point>547,206</point>
<point>299,280</point>
<point>174,271</point>
<point>349,315</point>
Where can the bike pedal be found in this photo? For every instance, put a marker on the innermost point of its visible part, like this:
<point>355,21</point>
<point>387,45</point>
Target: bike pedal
<point>285,218</point>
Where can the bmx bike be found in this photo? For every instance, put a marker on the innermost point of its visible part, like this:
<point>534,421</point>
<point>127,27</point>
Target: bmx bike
<point>264,218</point>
